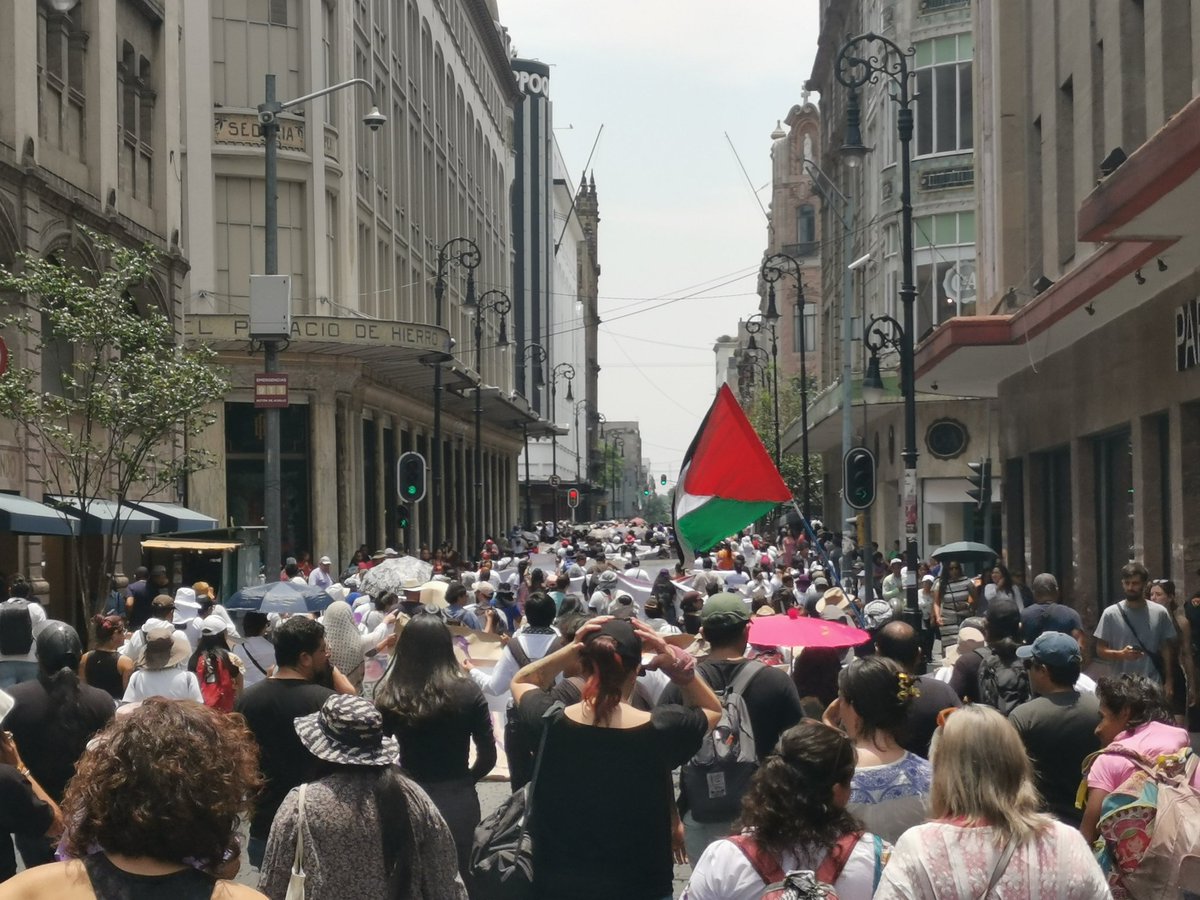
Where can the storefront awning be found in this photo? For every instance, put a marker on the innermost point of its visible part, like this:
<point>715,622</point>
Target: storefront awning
<point>185,544</point>
<point>105,516</point>
<point>174,517</point>
<point>20,515</point>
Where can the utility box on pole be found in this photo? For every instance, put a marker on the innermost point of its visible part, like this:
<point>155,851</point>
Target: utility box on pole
<point>270,307</point>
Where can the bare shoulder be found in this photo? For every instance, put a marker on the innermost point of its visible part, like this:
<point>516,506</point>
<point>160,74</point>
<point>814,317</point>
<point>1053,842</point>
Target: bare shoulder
<point>64,880</point>
<point>231,890</point>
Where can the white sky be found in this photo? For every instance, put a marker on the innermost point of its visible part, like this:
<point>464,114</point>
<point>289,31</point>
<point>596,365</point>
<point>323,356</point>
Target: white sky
<point>667,79</point>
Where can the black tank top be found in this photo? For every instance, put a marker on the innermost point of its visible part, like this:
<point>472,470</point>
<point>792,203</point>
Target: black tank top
<point>101,671</point>
<point>111,883</point>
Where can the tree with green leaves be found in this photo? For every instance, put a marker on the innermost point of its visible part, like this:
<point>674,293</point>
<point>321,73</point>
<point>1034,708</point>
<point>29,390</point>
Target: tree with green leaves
<point>131,396</point>
<point>760,410</point>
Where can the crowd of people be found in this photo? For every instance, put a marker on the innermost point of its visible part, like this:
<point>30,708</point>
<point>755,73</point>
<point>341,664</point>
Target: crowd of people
<point>957,753</point>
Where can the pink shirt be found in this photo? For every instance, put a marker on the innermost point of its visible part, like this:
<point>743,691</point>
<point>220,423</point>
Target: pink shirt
<point>1150,740</point>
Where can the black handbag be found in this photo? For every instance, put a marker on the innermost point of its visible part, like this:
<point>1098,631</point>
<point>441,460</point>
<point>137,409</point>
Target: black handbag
<point>502,848</point>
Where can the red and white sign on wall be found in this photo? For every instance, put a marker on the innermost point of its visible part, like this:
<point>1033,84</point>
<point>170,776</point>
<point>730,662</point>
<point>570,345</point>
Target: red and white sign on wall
<point>270,390</point>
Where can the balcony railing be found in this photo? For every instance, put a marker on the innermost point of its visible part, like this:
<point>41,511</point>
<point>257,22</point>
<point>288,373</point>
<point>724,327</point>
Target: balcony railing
<point>937,5</point>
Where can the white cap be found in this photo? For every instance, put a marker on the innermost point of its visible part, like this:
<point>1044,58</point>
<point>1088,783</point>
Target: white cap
<point>211,625</point>
<point>325,561</point>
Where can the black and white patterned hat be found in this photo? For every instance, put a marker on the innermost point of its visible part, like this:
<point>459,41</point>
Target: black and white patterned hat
<point>348,731</point>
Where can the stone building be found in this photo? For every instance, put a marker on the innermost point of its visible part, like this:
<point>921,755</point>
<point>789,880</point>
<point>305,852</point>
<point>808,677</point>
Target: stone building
<point>861,218</point>
<point>362,217</point>
<point>1086,328</point>
<point>89,138</point>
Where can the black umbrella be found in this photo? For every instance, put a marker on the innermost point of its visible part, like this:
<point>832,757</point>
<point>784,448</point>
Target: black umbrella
<point>964,551</point>
<point>280,597</point>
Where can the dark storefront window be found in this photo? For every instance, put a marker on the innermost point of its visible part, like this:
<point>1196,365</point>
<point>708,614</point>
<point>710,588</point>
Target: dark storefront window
<point>245,428</point>
<point>1013,491</point>
<point>1056,518</point>
<point>1114,510</point>
<point>1164,469</point>
<point>370,485</point>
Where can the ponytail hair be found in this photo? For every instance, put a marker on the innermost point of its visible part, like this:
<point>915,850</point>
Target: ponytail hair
<point>106,626</point>
<point>606,671</point>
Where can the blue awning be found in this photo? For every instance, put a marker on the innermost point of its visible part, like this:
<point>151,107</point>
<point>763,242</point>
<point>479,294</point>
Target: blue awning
<point>102,516</point>
<point>173,516</point>
<point>20,515</point>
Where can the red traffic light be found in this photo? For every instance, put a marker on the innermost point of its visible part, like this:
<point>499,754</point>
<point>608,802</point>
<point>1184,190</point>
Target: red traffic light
<point>573,498</point>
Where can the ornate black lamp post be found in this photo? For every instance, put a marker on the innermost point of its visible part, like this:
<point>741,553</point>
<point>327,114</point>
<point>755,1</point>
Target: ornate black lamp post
<point>497,301</point>
<point>536,354</point>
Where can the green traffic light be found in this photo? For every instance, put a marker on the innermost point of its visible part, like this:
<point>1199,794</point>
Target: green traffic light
<point>412,489</point>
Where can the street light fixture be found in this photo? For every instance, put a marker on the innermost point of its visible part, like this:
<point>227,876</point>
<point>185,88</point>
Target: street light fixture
<point>754,325</point>
<point>567,371</point>
<point>268,120</point>
<point>863,59</point>
<point>618,477</point>
<point>498,302</point>
<point>535,353</point>
<point>463,252</point>
<point>774,267</point>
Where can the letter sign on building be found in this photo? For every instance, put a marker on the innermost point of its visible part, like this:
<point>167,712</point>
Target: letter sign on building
<point>1187,335</point>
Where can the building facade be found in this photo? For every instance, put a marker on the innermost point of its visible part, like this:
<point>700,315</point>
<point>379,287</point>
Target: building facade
<point>861,218</point>
<point>624,441</point>
<point>1088,136</point>
<point>89,138</point>
<point>363,218</point>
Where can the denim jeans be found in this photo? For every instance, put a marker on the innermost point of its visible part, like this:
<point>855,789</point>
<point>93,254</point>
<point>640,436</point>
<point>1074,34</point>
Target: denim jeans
<point>15,671</point>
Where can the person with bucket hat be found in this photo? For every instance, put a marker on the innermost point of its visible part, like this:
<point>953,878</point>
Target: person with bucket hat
<point>160,666</point>
<point>52,720</point>
<point>364,829</point>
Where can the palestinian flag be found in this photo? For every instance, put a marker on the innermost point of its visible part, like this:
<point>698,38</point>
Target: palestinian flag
<point>727,479</point>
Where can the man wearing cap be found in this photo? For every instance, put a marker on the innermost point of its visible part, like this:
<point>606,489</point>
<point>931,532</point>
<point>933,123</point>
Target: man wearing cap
<point>770,697</point>
<point>893,582</point>
<point>606,588</point>
<point>1047,614</point>
<point>1058,725</point>
<point>321,577</point>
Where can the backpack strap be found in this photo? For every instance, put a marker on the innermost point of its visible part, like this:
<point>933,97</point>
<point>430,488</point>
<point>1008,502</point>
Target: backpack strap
<point>879,862</point>
<point>744,676</point>
<point>518,652</point>
<point>767,866</point>
<point>831,866</point>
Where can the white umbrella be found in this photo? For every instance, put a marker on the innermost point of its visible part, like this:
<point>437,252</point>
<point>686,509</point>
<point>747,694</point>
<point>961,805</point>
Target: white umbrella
<point>396,575</point>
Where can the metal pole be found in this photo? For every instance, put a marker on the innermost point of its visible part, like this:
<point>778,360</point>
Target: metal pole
<point>775,391</point>
<point>554,443</point>
<point>477,523</point>
<point>272,506</point>
<point>908,298</point>
<point>528,499</point>
<point>807,504</point>
<point>847,348</point>
<point>577,469</point>
<point>435,452</point>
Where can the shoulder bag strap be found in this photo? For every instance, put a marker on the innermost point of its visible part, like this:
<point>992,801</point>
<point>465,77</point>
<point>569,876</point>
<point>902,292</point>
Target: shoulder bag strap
<point>744,676</point>
<point>1001,865</point>
<point>831,866</point>
<point>1132,630</point>
<point>518,652</point>
<point>250,656</point>
<point>553,712</point>
<point>767,866</point>
<point>298,860</point>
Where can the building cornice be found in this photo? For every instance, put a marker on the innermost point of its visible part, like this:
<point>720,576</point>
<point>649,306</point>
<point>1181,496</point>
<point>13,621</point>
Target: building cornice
<point>494,48</point>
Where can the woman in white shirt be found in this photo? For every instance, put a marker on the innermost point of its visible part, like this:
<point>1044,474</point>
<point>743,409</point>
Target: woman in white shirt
<point>160,671</point>
<point>794,818</point>
<point>986,837</point>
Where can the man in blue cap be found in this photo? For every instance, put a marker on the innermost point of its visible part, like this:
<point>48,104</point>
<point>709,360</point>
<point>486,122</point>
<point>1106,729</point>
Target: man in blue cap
<point>1058,725</point>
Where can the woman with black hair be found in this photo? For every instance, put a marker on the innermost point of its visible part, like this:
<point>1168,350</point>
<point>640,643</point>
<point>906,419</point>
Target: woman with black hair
<point>890,788</point>
<point>436,711</point>
<point>52,720</point>
<point>664,589</point>
<point>1000,586</point>
<point>794,818</point>
<point>219,672</point>
<point>626,849</point>
<point>103,666</point>
<point>953,598</point>
<point>367,831</point>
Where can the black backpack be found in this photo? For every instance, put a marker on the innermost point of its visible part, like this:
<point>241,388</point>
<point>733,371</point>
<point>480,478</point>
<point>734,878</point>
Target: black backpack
<point>1002,685</point>
<point>16,628</point>
<point>716,778</point>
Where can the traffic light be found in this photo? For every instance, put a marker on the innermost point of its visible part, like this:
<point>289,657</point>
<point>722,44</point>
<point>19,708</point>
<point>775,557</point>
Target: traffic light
<point>573,498</point>
<point>858,477</point>
<point>981,481</point>
<point>410,477</point>
<point>663,480</point>
<point>402,515</point>
<point>646,490</point>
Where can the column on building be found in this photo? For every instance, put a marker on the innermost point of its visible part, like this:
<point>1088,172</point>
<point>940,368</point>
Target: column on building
<point>326,503</point>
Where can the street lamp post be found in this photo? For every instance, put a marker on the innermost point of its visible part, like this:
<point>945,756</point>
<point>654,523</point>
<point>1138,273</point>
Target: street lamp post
<point>619,447</point>
<point>754,326</point>
<point>863,59</point>
<point>536,354</point>
<point>496,301</point>
<point>774,267</point>
<point>567,371</point>
<point>465,253</point>
<point>600,422</point>
<point>582,404</point>
<point>268,120</point>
